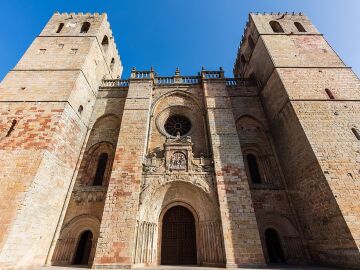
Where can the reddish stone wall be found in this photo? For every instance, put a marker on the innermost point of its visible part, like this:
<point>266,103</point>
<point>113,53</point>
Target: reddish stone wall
<point>117,237</point>
<point>55,78</point>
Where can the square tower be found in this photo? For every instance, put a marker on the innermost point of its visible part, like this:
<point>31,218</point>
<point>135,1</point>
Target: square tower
<point>311,99</point>
<point>47,101</point>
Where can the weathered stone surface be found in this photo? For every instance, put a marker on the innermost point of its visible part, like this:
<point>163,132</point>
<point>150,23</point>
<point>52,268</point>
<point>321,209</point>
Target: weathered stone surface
<point>267,162</point>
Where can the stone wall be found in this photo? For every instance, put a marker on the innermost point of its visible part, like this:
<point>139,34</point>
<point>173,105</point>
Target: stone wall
<point>312,129</point>
<point>86,203</point>
<point>50,94</point>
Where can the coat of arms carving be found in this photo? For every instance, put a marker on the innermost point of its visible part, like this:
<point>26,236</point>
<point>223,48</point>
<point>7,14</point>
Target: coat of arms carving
<point>178,161</point>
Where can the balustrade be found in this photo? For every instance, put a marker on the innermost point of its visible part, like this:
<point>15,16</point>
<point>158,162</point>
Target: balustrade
<point>212,74</point>
<point>164,80</point>
<point>177,79</point>
<point>237,82</point>
<point>115,83</point>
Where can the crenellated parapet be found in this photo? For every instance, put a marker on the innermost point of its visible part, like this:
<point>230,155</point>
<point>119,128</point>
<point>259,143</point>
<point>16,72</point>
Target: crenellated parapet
<point>262,24</point>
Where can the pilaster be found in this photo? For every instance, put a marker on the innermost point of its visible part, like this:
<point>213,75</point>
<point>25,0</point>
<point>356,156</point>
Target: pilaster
<point>117,232</point>
<point>241,237</point>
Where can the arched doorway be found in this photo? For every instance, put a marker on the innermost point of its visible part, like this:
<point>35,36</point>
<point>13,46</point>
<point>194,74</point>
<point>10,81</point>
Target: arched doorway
<point>83,249</point>
<point>178,245</point>
<point>273,245</point>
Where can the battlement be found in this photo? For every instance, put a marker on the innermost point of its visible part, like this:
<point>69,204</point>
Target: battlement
<point>261,24</point>
<point>81,14</point>
<point>277,13</point>
<point>74,34</point>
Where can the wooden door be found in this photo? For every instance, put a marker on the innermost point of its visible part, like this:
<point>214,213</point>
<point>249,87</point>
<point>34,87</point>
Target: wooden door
<point>178,237</point>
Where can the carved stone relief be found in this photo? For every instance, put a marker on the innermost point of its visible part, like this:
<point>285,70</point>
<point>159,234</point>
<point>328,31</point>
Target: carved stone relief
<point>178,161</point>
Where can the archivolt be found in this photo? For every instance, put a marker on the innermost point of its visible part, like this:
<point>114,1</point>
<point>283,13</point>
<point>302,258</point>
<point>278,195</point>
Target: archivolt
<point>176,93</point>
<point>81,223</point>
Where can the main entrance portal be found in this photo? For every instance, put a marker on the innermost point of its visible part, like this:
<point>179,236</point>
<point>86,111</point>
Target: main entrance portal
<point>178,246</point>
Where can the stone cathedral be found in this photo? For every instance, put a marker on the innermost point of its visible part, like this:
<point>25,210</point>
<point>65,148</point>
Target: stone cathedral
<point>203,170</point>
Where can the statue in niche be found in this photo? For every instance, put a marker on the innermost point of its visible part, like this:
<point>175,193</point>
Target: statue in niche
<point>178,161</point>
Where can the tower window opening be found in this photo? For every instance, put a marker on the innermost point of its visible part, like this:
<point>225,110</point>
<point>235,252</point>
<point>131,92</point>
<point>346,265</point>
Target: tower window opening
<point>276,27</point>
<point>112,64</point>
<point>329,93</point>
<point>60,27</point>
<point>11,129</point>
<point>100,170</point>
<point>356,133</point>
<point>251,43</point>
<point>81,108</point>
<point>300,27</point>
<point>253,169</point>
<point>242,58</point>
<point>85,27</point>
<point>105,43</point>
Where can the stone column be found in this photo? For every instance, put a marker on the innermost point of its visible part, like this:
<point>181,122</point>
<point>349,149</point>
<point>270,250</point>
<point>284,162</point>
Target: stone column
<point>241,235</point>
<point>117,232</point>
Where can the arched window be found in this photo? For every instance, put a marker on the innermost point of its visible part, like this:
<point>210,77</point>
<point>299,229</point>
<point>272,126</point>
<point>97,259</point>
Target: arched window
<point>80,109</point>
<point>105,43</point>
<point>251,43</point>
<point>85,27</point>
<point>253,169</point>
<point>276,27</point>
<point>83,249</point>
<point>100,170</point>
<point>299,27</point>
<point>112,64</point>
<point>60,27</point>
<point>273,246</point>
<point>356,133</point>
<point>329,93</point>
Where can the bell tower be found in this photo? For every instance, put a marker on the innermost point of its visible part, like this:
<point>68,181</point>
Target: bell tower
<point>311,99</point>
<point>47,101</point>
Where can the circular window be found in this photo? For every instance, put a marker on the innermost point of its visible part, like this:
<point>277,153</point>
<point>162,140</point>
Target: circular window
<point>177,124</point>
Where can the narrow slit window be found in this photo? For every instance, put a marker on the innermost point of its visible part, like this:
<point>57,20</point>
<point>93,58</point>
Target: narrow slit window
<point>60,27</point>
<point>329,93</point>
<point>85,27</point>
<point>105,43</point>
<point>253,169</point>
<point>276,27</point>
<point>300,27</point>
<point>112,64</point>
<point>356,133</point>
<point>11,129</point>
<point>100,170</point>
<point>81,108</point>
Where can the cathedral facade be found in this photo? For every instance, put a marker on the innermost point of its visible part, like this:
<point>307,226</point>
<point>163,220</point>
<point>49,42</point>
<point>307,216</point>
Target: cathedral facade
<point>201,170</point>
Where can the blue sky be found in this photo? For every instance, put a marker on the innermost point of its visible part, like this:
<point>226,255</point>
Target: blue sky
<point>187,34</point>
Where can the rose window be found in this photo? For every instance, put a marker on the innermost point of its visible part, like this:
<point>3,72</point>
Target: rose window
<point>177,124</point>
